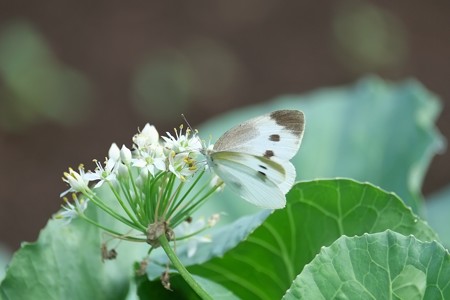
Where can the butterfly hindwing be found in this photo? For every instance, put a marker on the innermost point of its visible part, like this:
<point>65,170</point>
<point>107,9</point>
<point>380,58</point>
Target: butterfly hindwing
<point>257,185</point>
<point>290,175</point>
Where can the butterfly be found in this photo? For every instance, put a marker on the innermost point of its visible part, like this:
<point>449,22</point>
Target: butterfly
<point>253,157</point>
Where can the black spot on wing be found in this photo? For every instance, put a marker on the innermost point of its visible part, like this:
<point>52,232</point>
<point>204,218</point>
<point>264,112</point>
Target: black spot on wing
<point>236,184</point>
<point>262,175</point>
<point>274,137</point>
<point>262,167</point>
<point>268,154</point>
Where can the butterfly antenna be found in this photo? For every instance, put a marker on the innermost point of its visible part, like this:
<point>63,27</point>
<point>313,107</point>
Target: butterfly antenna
<point>192,130</point>
<point>187,123</point>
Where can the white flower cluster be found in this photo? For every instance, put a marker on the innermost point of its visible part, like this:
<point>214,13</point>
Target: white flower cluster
<point>176,154</point>
<point>148,157</point>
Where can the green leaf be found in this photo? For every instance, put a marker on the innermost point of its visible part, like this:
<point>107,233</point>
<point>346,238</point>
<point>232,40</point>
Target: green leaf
<point>317,214</point>
<point>181,290</point>
<point>372,131</point>
<point>438,208</point>
<point>61,265</point>
<point>383,265</point>
<point>225,238</point>
<point>215,290</point>
<point>65,263</point>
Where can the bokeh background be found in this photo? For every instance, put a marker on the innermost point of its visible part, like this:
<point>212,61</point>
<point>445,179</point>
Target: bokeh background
<point>76,76</point>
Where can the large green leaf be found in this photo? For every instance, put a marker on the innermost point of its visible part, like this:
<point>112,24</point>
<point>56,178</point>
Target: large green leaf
<point>383,265</point>
<point>372,131</point>
<point>65,263</point>
<point>181,290</point>
<point>317,214</point>
<point>225,238</point>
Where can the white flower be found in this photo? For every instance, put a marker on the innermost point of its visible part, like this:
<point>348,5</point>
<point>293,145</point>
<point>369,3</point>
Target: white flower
<point>182,142</point>
<point>114,158</point>
<point>78,182</point>
<point>103,174</point>
<point>146,138</point>
<point>150,161</point>
<point>187,229</point>
<point>71,211</point>
<point>182,165</point>
<point>109,172</point>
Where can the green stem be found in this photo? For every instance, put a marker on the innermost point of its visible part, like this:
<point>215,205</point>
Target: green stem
<point>181,269</point>
<point>99,203</point>
<point>112,232</point>
<point>192,234</point>
<point>124,207</point>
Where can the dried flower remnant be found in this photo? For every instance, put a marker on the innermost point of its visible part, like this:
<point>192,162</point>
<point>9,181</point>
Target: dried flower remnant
<point>108,254</point>
<point>165,280</point>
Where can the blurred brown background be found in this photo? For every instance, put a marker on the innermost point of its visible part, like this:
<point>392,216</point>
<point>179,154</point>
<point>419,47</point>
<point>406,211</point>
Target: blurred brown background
<point>76,76</point>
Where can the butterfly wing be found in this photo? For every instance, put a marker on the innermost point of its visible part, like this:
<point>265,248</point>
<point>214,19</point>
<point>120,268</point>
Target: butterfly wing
<point>258,180</point>
<point>253,157</point>
<point>276,135</point>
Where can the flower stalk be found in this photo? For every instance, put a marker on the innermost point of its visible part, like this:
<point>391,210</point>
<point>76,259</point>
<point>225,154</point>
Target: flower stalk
<point>182,270</point>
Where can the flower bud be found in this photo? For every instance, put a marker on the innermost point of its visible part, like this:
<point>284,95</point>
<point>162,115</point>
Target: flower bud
<point>114,152</point>
<point>125,155</point>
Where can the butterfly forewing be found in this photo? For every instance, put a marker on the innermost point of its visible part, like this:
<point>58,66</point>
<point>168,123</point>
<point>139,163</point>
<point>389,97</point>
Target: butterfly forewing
<point>277,134</point>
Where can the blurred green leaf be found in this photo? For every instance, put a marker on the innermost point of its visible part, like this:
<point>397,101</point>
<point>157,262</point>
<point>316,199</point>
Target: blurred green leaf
<point>383,265</point>
<point>372,131</point>
<point>367,37</point>
<point>36,87</point>
<point>317,213</point>
<point>438,210</point>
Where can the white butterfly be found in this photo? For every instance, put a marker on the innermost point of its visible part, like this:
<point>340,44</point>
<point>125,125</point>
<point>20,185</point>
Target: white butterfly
<point>253,157</point>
